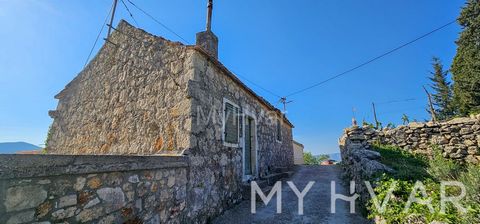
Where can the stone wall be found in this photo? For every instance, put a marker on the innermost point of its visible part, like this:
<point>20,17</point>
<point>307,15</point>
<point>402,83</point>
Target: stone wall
<point>93,189</point>
<point>130,99</point>
<point>459,138</point>
<point>217,168</point>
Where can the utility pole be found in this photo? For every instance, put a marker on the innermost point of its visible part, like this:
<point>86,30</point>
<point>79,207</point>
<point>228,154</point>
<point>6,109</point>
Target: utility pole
<point>111,19</point>
<point>375,115</point>
<point>284,101</point>
<point>432,111</point>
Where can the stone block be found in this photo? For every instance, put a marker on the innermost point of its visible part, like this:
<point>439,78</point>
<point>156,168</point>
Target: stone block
<point>24,197</point>
<point>22,217</point>
<point>66,201</point>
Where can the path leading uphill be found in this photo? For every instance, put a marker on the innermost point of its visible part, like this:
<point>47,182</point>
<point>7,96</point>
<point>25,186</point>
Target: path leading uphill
<point>316,202</point>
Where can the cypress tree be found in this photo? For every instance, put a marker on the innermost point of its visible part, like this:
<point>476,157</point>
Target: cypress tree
<point>442,95</point>
<point>466,64</point>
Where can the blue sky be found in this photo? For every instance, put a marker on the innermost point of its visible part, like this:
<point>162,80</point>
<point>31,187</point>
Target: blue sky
<point>280,45</point>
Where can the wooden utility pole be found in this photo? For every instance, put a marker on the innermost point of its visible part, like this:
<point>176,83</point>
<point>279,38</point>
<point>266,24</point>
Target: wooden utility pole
<point>375,115</point>
<point>111,19</point>
<point>432,111</point>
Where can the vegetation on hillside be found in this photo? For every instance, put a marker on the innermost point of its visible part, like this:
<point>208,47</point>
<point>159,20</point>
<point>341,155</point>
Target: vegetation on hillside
<point>412,168</point>
<point>310,159</point>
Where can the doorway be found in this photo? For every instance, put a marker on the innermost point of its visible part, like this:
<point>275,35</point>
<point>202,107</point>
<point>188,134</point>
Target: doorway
<point>250,149</point>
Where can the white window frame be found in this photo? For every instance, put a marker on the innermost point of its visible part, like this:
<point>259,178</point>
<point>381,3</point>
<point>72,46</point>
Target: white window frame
<point>236,145</point>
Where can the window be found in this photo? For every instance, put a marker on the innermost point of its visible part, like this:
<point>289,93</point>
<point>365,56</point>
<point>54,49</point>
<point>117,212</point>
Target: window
<point>279,130</point>
<point>231,124</point>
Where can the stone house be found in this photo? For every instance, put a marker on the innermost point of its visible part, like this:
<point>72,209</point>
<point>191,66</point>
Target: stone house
<point>145,95</point>
<point>298,153</point>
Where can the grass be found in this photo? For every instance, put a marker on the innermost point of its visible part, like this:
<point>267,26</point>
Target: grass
<point>406,165</point>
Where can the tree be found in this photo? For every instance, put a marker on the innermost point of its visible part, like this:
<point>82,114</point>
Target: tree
<point>466,64</point>
<point>309,159</point>
<point>442,96</point>
<point>322,158</point>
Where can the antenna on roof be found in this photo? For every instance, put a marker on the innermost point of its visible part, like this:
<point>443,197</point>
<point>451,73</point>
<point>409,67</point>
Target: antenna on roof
<point>284,101</point>
<point>111,19</point>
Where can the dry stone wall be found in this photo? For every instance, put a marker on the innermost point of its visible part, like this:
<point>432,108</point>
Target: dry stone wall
<point>459,138</point>
<point>93,189</point>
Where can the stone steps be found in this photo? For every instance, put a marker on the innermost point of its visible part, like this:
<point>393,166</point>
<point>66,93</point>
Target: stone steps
<point>266,183</point>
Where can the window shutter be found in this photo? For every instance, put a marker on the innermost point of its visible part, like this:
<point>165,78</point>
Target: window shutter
<point>231,124</point>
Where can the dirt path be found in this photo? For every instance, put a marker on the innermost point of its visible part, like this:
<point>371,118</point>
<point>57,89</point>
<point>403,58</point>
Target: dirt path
<point>316,202</point>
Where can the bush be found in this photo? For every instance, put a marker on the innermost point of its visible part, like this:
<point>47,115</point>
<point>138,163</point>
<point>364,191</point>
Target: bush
<point>410,168</point>
<point>471,179</point>
<point>442,169</point>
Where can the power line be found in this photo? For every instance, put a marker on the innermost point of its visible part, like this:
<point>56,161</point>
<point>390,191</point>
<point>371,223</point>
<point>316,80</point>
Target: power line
<point>373,59</point>
<point>396,101</point>
<point>130,13</point>
<point>98,37</point>
<point>157,21</point>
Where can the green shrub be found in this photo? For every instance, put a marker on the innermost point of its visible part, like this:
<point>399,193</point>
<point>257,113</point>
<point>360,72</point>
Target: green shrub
<point>411,168</point>
<point>471,179</point>
<point>441,168</point>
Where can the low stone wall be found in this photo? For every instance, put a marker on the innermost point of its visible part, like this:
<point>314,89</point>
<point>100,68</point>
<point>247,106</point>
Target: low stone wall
<point>359,163</point>
<point>99,189</point>
<point>459,138</point>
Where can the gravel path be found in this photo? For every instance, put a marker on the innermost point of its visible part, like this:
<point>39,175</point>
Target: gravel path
<point>316,202</point>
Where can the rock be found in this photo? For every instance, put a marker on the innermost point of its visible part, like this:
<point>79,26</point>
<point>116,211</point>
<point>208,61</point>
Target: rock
<point>469,142</point>
<point>43,209</point>
<point>465,131</point>
<point>24,197</point>
<point>67,201</point>
<point>472,150</point>
<point>89,214</point>
<point>416,125</point>
<point>171,181</point>
<point>461,120</point>
<point>64,213</point>
<point>94,183</point>
<point>107,220</point>
<point>133,179</point>
<point>92,203</point>
<point>454,141</point>
<point>113,198</point>
<point>471,159</point>
<point>78,186</point>
<point>22,217</point>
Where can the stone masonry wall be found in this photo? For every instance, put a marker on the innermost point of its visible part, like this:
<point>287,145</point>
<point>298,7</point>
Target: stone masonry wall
<point>130,99</point>
<point>360,163</point>
<point>459,138</point>
<point>92,189</point>
<point>216,168</point>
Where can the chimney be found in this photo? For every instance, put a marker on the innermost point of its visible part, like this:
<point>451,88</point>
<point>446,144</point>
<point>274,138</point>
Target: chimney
<point>207,39</point>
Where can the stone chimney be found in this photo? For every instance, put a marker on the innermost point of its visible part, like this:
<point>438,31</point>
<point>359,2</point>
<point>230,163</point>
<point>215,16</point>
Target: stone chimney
<point>207,39</point>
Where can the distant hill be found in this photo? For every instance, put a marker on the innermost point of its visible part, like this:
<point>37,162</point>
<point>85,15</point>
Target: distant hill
<point>14,147</point>
<point>335,156</point>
